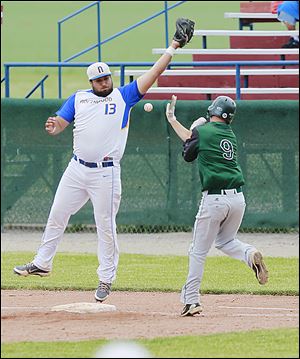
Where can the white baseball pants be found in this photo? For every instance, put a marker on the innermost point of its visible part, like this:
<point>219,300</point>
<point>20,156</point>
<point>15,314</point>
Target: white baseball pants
<point>77,185</point>
<point>218,219</point>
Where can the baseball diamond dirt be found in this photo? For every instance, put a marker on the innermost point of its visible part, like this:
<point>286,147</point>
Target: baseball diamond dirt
<point>138,315</point>
<point>141,314</point>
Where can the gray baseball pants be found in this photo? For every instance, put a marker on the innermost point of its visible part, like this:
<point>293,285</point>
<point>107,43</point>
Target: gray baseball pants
<point>218,220</point>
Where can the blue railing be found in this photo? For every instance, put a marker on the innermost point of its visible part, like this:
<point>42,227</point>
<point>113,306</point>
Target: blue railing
<point>123,65</point>
<point>99,42</point>
<point>39,84</point>
<point>59,51</point>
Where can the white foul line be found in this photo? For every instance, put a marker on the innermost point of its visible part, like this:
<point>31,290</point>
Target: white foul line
<point>258,308</point>
<point>28,309</point>
<point>264,315</point>
<point>25,308</point>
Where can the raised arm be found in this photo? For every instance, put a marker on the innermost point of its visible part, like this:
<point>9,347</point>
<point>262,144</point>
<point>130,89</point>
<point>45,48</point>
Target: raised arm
<point>184,33</point>
<point>146,80</point>
<point>180,130</point>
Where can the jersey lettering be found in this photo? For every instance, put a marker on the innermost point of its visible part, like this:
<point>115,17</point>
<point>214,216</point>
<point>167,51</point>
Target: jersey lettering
<point>227,148</point>
<point>110,108</point>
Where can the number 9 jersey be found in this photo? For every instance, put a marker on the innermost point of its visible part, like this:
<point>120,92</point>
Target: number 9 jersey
<point>100,123</point>
<point>215,146</point>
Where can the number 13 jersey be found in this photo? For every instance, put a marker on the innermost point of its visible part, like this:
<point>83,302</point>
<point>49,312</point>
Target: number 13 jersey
<point>100,123</point>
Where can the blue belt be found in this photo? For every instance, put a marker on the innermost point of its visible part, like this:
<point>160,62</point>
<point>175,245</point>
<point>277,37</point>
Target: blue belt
<point>94,164</point>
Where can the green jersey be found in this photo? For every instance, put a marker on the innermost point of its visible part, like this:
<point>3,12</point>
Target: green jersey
<point>215,146</point>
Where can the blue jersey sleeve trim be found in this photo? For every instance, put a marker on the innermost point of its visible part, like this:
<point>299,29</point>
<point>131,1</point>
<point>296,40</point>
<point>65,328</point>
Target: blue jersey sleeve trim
<point>130,93</point>
<point>290,7</point>
<point>126,116</point>
<point>67,110</point>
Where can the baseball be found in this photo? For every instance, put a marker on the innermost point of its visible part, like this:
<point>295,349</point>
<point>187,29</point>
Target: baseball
<point>148,107</point>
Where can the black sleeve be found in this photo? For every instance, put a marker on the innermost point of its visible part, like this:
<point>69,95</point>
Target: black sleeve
<point>191,147</point>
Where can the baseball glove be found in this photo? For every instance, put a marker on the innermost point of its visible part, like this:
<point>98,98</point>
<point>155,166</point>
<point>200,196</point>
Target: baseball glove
<point>184,31</point>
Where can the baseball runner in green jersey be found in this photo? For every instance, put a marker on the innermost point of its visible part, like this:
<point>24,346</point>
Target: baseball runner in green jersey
<point>213,143</point>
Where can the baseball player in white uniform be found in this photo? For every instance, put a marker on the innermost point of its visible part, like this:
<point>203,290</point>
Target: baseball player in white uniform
<point>101,122</point>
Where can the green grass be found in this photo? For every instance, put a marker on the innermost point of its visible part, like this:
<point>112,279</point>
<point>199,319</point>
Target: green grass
<point>276,343</point>
<point>135,45</point>
<point>154,273</point>
<point>29,34</point>
<point>162,273</point>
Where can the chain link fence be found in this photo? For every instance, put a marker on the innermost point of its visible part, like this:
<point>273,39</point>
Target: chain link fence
<point>160,191</point>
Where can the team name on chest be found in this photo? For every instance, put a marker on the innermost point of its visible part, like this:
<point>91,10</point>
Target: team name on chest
<point>93,105</point>
<point>95,100</point>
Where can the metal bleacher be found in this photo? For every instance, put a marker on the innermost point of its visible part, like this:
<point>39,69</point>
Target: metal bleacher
<point>253,12</point>
<point>247,48</point>
<point>188,76</point>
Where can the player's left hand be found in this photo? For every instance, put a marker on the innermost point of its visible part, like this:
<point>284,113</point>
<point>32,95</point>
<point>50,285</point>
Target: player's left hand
<point>170,109</point>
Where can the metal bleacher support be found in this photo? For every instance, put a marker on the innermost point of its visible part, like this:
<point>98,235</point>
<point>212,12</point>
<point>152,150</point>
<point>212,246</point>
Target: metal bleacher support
<point>100,42</point>
<point>39,84</point>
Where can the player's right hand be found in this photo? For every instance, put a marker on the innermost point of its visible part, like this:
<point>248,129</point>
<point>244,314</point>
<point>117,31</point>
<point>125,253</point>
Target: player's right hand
<point>50,125</point>
<point>170,109</point>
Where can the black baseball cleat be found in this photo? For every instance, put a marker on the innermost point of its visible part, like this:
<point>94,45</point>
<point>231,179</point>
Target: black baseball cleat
<point>103,291</point>
<point>30,269</point>
<point>259,267</point>
<point>191,309</point>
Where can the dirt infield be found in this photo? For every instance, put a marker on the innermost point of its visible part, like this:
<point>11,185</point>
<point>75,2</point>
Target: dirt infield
<point>27,316</point>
